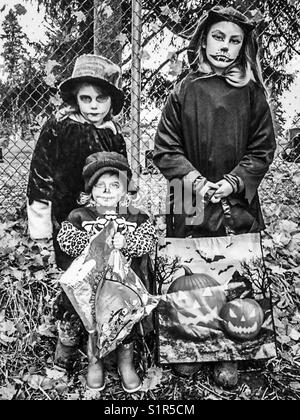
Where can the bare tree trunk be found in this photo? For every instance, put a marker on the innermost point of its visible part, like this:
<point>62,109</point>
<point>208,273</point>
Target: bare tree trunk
<point>107,28</point>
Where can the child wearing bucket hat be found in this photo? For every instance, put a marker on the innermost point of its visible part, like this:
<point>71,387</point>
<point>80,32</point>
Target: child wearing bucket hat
<point>216,132</point>
<point>106,178</point>
<point>55,179</point>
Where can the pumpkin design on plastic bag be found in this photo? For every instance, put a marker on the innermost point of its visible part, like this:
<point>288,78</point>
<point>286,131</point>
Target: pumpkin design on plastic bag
<point>243,318</point>
<point>194,304</point>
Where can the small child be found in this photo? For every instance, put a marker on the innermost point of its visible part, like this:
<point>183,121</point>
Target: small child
<point>106,176</point>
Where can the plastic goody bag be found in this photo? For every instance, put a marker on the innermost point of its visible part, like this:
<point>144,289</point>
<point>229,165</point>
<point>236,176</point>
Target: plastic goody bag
<point>106,293</point>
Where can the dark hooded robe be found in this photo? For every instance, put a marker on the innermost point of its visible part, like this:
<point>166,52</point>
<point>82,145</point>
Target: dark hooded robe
<point>56,167</point>
<point>216,129</point>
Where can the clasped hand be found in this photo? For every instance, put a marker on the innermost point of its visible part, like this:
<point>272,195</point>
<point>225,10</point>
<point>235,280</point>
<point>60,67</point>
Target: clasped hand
<point>222,190</point>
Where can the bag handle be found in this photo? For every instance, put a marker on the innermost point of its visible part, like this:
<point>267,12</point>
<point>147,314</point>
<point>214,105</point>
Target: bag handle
<point>228,221</point>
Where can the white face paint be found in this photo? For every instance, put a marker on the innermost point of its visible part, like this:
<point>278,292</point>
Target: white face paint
<point>93,104</point>
<point>108,190</point>
<point>223,45</point>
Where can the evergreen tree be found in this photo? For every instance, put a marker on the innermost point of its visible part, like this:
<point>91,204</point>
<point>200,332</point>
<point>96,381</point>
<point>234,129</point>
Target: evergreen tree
<point>14,50</point>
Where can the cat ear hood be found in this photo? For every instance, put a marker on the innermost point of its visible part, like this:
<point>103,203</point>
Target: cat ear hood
<point>216,14</point>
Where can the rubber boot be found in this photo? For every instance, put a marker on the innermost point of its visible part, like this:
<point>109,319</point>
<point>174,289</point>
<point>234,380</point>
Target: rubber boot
<point>226,374</point>
<point>186,370</point>
<point>66,351</point>
<point>65,356</point>
<point>130,379</point>
<point>95,379</point>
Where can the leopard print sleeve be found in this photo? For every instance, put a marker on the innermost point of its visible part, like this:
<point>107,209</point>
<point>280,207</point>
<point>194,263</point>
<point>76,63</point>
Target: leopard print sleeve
<point>72,240</point>
<point>141,241</point>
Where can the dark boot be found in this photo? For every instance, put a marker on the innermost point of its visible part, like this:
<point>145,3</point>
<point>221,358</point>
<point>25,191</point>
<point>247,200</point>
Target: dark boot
<point>186,369</point>
<point>226,374</point>
<point>130,379</point>
<point>65,356</point>
<point>66,351</point>
<point>95,374</point>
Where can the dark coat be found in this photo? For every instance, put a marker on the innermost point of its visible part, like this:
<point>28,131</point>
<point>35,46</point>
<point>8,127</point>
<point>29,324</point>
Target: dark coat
<point>217,129</point>
<point>57,163</point>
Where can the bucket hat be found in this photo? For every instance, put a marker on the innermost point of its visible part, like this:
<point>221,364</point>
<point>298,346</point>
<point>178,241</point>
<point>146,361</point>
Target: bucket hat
<point>101,162</point>
<point>97,70</point>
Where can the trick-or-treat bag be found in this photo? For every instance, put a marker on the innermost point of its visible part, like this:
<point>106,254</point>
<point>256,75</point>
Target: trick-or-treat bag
<point>216,302</point>
<point>106,293</point>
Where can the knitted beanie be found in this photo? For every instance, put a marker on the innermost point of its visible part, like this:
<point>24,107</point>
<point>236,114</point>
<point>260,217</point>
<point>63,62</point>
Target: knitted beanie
<point>101,162</point>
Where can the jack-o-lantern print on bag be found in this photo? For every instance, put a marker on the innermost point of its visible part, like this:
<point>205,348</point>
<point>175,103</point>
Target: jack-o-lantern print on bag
<point>217,303</point>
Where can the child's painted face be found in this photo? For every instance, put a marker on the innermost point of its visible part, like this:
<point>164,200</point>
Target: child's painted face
<point>93,104</point>
<point>108,190</point>
<point>223,44</point>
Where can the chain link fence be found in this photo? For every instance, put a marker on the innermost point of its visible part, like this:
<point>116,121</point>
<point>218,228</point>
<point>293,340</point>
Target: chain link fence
<point>149,39</point>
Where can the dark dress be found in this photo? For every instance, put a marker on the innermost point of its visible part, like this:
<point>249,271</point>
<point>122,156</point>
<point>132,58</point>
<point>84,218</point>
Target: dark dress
<point>216,129</point>
<point>57,163</point>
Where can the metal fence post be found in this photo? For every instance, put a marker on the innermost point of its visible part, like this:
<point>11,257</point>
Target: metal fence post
<point>136,88</point>
<point>107,29</point>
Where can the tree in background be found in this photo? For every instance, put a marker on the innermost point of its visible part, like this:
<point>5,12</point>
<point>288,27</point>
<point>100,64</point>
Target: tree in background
<point>278,28</point>
<point>14,50</point>
<point>16,59</point>
<point>70,32</point>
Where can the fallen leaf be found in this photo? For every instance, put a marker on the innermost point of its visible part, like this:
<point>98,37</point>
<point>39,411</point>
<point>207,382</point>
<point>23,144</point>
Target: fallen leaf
<point>281,238</point>
<point>54,374</point>
<point>80,17</point>
<point>7,327</point>
<point>46,330</point>
<point>165,10</point>
<point>268,243</point>
<point>276,269</point>
<point>175,68</point>
<point>122,38</point>
<point>40,382</point>
<point>152,379</point>
<point>288,226</point>
<point>295,386</point>
<point>296,178</point>
<point>297,286</point>
<point>294,335</point>
<point>5,340</point>
<point>175,17</point>
<point>2,315</point>
<point>50,80</point>
<point>50,65</point>
<point>73,397</point>
<point>296,350</point>
<point>283,339</point>
<point>155,27</point>
<point>107,11</point>
<point>56,100</point>
<point>7,392</point>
